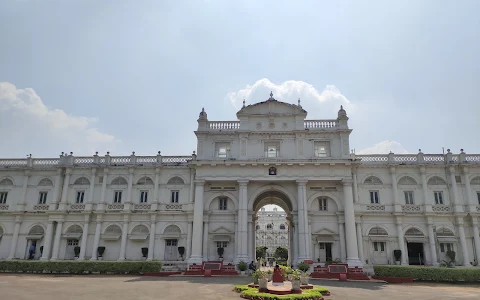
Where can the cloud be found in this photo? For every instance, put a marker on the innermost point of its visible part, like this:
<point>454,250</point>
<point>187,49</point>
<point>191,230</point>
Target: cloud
<point>30,126</point>
<point>324,104</point>
<point>384,148</point>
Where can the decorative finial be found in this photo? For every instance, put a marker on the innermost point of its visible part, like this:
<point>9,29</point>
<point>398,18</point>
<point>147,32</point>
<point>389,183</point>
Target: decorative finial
<point>159,152</point>
<point>461,150</point>
<point>63,153</point>
<point>133,152</point>
<point>203,109</point>
<point>108,152</point>
<point>71,153</point>
<point>271,94</point>
<point>243,102</point>
<point>341,106</point>
<point>96,152</point>
<point>298,101</point>
<point>419,150</point>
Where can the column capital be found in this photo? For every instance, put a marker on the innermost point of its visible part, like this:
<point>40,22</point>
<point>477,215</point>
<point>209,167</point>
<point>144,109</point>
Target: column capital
<point>392,169</point>
<point>474,221</point>
<point>465,170</point>
<point>94,170</point>
<point>243,182</point>
<point>347,182</point>
<point>451,169</point>
<point>429,221</point>
<point>460,221</point>
<point>27,173</point>
<point>423,170</point>
<point>18,219</point>
<point>153,218</point>
<point>199,182</point>
<point>105,171</point>
<point>99,218</point>
<point>86,218</point>
<point>68,171</point>
<point>302,181</point>
<point>131,170</point>
<point>398,220</point>
<point>126,218</point>
<point>157,170</point>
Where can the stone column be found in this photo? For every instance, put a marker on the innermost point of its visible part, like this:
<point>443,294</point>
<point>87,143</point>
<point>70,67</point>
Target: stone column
<point>92,190</point>
<point>63,202</point>
<point>205,241</point>
<point>393,178</point>
<point>235,250</point>
<point>308,238</point>
<point>48,242</point>
<point>192,186</point>
<point>302,222</point>
<point>431,241</point>
<point>56,190</point>
<point>96,240</point>
<point>123,245</point>
<point>355,184</point>
<point>56,241</point>
<point>463,242</point>
<point>428,202</point>
<point>16,231</point>
<point>23,198</point>
<point>401,242</point>
<point>350,231</point>
<point>83,245</point>
<point>360,241</point>
<point>196,256</point>
<point>455,199</point>
<point>251,234</point>
<point>476,238</point>
<point>295,239</point>
<point>103,194</point>
<point>151,241</point>
<point>129,186</point>
<point>154,201</point>
<point>341,236</point>
<point>470,199</point>
<point>189,238</point>
<point>243,222</point>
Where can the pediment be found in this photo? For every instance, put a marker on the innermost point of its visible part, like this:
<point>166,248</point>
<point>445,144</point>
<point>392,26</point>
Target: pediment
<point>271,107</point>
<point>221,230</point>
<point>324,231</point>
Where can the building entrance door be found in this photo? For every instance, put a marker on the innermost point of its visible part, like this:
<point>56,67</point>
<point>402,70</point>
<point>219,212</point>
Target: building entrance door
<point>70,250</point>
<point>325,252</point>
<point>171,249</point>
<point>415,253</point>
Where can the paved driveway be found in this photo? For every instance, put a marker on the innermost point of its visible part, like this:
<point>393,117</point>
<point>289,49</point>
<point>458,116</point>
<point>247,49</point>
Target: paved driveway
<point>45,287</point>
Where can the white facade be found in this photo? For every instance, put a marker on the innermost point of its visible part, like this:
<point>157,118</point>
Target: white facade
<point>355,208</point>
<point>271,230</point>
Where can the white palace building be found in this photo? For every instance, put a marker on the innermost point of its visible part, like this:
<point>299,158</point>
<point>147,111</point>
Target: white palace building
<point>355,208</point>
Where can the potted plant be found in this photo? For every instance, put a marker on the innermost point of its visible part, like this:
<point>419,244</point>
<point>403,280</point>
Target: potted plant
<point>144,252</point>
<point>398,256</point>
<point>295,278</point>
<point>303,266</point>
<point>76,250</point>
<point>269,275</point>
<point>242,266</point>
<point>262,280</point>
<point>220,253</point>
<point>304,276</point>
<point>100,251</point>
<point>181,251</point>
<point>256,276</point>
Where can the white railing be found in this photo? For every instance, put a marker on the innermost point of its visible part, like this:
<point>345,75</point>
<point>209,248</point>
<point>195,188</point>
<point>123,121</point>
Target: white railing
<point>120,159</point>
<point>146,159</point>
<point>13,162</point>
<point>375,207</point>
<point>175,159</point>
<point>374,158</point>
<point>441,208</point>
<point>3,206</point>
<point>173,207</point>
<point>223,125</point>
<point>115,206</point>
<point>434,158</point>
<point>83,160</point>
<point>142,206</point>
<point>45,162</point>
<point>405,158</point>
<point>40,207</point>
<point>77,207</point>
<point>472,158</point>
<point>478,207</point>
<point>410,208</point>
<point>320,124</point>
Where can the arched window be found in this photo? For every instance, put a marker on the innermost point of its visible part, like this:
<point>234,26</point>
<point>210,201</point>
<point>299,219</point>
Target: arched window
<point>1,231</point>
<point>75,229</point>
<point>172,229</point>
<point>435,180</point>
<point>407,180</point>
<point>282,226</point>
<point>140,230</point>
<point>377,231</point>
<point>82,181</point>
<point>113,230</point>
<point>6,182</point>
<point>176,180</point>
<point>475,181</point>
<point>36,230</point>
<point>145,181</point>
<point>445,232</point>
<point>373,180</point>
<point>119,181</point>
<point>45,182</point>
<point>414,232</point>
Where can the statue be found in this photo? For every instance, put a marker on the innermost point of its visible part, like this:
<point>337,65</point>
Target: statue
<point>277,278</point>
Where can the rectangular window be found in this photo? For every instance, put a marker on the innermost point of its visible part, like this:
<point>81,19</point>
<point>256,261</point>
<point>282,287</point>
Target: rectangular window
<point>409,197</point>
<point>222,244</point>
<point>117,197</point>
<point>323,204</point>
<point>222,203</point>
<point>444,247</point>
<point>143,196</point>
<point>72,242</point>
<point>322,246</point>
<point>374,199</point>
<point>478,197</point>
<point>171,242</point>
<point>272,150</point>
<point>322,149</point>
<point>379,246</point>
<point>42,197</point>
<point>3,197</point>
<point>222,150</point>
<point>438,197</point>
<point>174,198</point>
<point>80,196</point>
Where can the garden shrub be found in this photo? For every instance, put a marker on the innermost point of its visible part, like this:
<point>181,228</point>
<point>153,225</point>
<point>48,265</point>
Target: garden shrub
<point>79,267</point>
<point>430,273</point>
<point>253,294</point>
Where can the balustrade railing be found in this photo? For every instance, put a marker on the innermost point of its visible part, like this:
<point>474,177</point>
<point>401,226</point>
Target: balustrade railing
<point>441,208</point>
<point>76,207</point>
<point>3,206</point>
<point>40,207</point>
<point>173,207</point>
<point>83,160</point>
<point>142,206</point>
<point>223,125</point>
<point>411,208</point>
<point>375,207</point>
<point>320,124</point>
<point>115,206</point>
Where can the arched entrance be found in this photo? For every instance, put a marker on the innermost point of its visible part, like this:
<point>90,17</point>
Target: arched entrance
<point>269,232</point>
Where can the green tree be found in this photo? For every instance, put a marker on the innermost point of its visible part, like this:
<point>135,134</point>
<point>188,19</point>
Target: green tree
<point>281,253</point>
<point>261,252</point>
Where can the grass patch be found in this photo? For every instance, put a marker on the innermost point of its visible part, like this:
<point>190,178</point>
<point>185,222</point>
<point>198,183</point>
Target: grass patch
<point>253,294</point>
<point>438,274</point>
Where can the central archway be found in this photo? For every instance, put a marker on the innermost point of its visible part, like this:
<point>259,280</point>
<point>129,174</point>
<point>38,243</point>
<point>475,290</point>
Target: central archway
<point>273,227</point>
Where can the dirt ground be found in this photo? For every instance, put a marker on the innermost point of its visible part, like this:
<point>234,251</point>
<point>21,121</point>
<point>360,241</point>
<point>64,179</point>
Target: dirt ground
<point>45,287</point>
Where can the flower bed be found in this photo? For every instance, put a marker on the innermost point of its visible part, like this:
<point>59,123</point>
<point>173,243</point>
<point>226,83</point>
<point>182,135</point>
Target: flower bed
<point>428,273</point>
<point>78,267</point>
<point>253,294</point>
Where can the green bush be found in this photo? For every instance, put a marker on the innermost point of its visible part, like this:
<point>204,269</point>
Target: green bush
<point>252,293</point>
<point>303,266</point>
<point>430,273</point>
<point>79,267</point>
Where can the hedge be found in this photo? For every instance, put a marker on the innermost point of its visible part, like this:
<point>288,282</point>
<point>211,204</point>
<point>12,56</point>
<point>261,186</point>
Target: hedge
<point>430,273</point>
<point>78,267</point>
<point>253,294</point>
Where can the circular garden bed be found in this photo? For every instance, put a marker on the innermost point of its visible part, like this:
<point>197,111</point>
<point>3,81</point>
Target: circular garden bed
<point>316,293</point>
